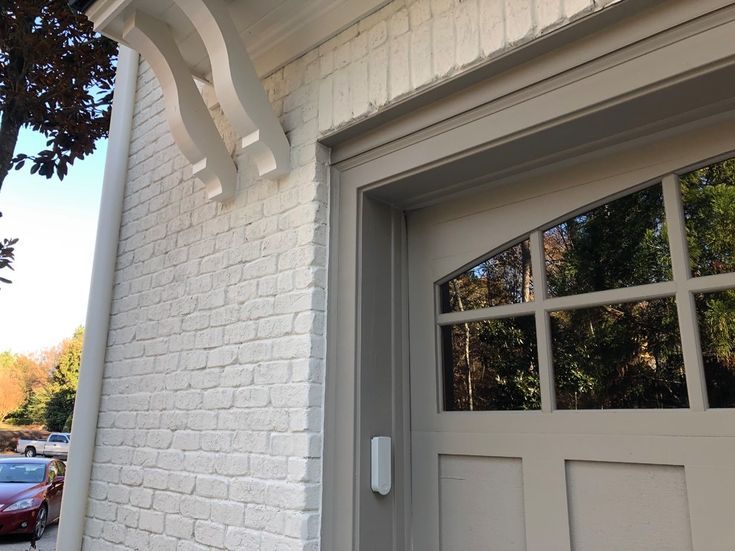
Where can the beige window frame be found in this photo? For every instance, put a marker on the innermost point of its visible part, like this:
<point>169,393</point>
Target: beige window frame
<point>682,287</point>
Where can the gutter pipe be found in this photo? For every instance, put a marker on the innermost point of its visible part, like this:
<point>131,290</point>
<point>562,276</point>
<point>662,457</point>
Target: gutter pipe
<point>89,391</point>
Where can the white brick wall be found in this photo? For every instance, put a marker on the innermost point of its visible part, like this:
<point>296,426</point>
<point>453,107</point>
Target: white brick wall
<point>209,434</point>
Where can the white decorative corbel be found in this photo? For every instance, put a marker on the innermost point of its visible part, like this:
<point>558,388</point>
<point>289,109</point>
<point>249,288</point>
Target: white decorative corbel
<point>191,124</point>
<point>238,88</point>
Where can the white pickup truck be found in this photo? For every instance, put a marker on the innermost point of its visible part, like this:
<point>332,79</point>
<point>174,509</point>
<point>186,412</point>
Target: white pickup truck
<point>57,444</point>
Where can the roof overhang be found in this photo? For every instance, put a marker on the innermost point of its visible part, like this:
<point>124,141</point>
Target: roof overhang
<point>228,45</point>
<point>274,32</point>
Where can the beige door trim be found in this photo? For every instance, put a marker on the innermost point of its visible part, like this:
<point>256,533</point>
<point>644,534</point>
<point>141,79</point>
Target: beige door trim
<point>659,96</point>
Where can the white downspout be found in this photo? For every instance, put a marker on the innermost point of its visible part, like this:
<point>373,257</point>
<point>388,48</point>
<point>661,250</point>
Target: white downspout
<point>86,408</point>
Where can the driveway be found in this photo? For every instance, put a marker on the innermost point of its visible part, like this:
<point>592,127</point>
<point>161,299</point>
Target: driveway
<point>46,543</point>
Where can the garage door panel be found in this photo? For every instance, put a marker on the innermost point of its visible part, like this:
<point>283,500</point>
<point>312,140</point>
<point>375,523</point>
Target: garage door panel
<point>567,490</point>
<point>481,503</point>
<point>631,506</point>
<point>710,489</point>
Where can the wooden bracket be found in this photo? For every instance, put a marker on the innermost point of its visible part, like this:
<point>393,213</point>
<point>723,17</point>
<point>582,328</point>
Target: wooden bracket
<point>191,125</point>
<point>238,88</point>
<point>236,85</point>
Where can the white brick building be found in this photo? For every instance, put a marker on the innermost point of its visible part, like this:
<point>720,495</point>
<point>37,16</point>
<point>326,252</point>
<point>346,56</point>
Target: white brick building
<point>256,339</point>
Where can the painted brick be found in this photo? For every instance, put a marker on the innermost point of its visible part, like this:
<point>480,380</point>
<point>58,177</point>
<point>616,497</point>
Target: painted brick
<point>518,20</point>
<point>468,35</point>
<point>548,13</point>
<point>492,26</point>
<point>443,44</point>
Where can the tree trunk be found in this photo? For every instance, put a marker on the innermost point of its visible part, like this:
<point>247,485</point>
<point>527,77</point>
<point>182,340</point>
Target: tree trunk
<point>15,78</point>
<point>526,263</point>
<point>9,129</point>
<point>467,357</point>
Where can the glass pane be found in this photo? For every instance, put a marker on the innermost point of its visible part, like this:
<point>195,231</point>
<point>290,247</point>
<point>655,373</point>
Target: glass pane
<point>709,213</point>
<point>620,244</point>
<point>619,356</point>
<point>491,365</point>
<point>504,278</point>
<point>716,313</point>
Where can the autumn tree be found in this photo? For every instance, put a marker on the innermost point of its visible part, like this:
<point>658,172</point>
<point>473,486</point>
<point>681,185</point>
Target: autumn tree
<point>11,383</point>
<point>56,77</point>
<point>34,372</point>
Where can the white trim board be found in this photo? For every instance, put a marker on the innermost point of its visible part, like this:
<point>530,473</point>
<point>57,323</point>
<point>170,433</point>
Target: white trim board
<point>284,32</point>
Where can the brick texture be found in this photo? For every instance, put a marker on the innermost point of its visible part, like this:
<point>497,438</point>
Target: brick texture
<point>209,433</point>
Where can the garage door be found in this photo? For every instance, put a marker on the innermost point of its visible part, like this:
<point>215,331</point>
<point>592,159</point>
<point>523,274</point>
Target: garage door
<point>573,364</point>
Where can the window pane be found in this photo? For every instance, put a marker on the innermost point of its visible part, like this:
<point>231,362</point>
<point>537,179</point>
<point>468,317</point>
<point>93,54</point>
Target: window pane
<point>619,356</point>
<point>620,244</point>
<point>716,313</point>
<point>502,279</point>
<point>491,365</point>
<point>709,212</point>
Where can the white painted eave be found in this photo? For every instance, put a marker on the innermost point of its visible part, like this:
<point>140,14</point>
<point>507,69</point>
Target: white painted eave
<point>214,41</point>
<point>274,32</point>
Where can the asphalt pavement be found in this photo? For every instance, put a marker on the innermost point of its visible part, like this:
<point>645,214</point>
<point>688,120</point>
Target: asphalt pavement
<point>15,543</point>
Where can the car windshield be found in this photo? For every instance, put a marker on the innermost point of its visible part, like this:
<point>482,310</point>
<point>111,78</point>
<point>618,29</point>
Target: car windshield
<point>22,472</point>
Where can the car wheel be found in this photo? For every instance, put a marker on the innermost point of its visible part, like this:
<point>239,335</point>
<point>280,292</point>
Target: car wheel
<point>41,521</point>
<point>30,451</point>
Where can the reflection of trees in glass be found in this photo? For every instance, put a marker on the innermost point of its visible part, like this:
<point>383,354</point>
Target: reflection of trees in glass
<point>611,356</point>
<point>491,365</point>
<point>615,356</point>
<point>619,356</point>
<point>717,334</point>
<point>504,278</point>
<point>709,211</point>
<point>620,244</point>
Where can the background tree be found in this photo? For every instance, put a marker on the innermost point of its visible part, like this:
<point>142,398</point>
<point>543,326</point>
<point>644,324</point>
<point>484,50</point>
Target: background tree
<point>61,390</point>
<point>34,374</point>
<point>56,77</point>
<point>47,384</point>
<point>11,385</point>
<point>7,255</point>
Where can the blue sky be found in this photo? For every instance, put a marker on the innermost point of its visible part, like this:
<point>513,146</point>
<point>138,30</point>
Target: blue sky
<point>56,222</point>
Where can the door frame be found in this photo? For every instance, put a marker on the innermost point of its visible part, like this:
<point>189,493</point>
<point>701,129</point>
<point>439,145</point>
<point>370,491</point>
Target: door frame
<point>634,73</point>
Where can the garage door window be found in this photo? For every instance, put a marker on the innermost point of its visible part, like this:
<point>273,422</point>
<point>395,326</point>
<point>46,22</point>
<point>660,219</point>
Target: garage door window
<point>708,196</point>
<point>627,304</point>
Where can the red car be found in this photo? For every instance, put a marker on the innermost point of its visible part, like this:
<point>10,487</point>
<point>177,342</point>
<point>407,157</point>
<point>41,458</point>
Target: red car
<point>30,494</point>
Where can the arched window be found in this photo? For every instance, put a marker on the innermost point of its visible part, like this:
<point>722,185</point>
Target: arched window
<point>621,304</point>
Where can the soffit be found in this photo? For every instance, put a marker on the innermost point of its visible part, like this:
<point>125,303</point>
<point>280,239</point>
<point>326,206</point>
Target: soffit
<point>273,31</point>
